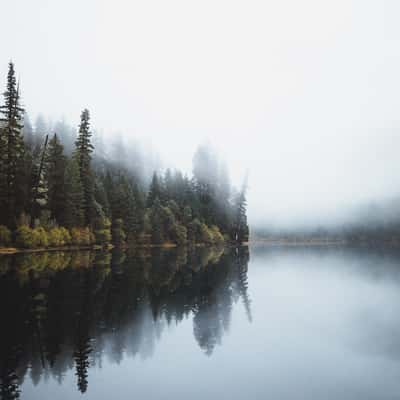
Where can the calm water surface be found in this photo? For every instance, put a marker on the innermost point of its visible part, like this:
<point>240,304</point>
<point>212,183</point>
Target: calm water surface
<point>276,323</point>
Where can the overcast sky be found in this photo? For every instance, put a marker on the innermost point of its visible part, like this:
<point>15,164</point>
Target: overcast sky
<point>303,93</point>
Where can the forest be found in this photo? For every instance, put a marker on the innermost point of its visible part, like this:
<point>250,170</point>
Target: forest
<point>58,188</point>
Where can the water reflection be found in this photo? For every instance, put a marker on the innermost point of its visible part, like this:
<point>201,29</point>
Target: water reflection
<point>63,311</point>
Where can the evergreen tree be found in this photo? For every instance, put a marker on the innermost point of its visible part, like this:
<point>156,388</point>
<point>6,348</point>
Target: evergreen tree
<point>205,170</point>
<point>55,175</point>
<point>132,208</point>
<point>223,206</point>
<point>169,185</point>
<point>40,188</point>
<point>117,232</point>
<point>155,191</point>
<point>240,229</point>
<point>156,220</point>
<point>101,197</point>
<point>83,151</point>
<point>66,135</point>
<point>74,212</point>
<point>137,223</point>
<point>11,152</point>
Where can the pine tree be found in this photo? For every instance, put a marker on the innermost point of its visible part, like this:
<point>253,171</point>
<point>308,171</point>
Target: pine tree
<point>37,183</point>
<point>54,175</point>
<point>155,191</point>
<point>101,197</point>
<point>156,220</point>
<point>222,204</point>
<point>83,151</point>
<point>169,185</point>
<point>11,152</point>
<point>132,207</point>
<point>205,170</point>
<point>240,229</point>
<point>74,213</point>
<point>137,222</point>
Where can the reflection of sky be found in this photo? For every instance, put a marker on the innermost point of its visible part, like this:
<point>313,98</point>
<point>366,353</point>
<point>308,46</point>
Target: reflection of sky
<point>325,326</point>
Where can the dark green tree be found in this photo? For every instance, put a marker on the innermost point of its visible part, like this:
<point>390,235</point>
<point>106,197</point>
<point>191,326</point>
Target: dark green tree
<point>155,191</point>
<point>205,174</point>
<point>240,228</point>
<point>156,220</point>
<point>117,232</point>
<point>136,225</point>
<point>12,151</point>
<point>74,199</point>
<point>83,151</point>
<point>55,174</point>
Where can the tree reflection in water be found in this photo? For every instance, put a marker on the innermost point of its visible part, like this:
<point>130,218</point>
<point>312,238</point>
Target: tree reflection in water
<point>67,310</point>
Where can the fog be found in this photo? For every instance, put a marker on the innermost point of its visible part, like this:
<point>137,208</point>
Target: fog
<point>304,95</point>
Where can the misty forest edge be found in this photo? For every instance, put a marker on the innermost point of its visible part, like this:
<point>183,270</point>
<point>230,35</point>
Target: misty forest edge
<point>51,199</point>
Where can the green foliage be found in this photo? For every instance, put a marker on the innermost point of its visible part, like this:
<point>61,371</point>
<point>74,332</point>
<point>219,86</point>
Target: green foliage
<point>155,191</point>
<point>74,213</point>
<point>54,172</point>
<point>117,233</point>
<point>92,237</point>
<point>55,237</point>
<point>5,236</point>
<point>206,235</point>
<point>157,222</point>
<point>173,206</point>
<point>187,215</point>
<point>216,234</point>
<point>29,238</point>
<point>194,231</point>
<point>240,229</point>
<point>82,154</point>
<point>65,236</point>
<point>102,236</point>
<point>80,236</point>
<point>41,237</point>
<point>102,232</point>
<point>179,234</point>
<point>12,152</point>
<point>26,238</point>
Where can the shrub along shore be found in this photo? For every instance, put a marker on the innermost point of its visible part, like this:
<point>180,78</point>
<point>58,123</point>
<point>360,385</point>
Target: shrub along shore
<point>60,238</point>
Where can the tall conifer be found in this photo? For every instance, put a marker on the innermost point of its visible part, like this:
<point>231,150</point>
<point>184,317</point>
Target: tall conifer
<point>11,151</point>
<point>54,175</point>
<point>74,213</point>
<point>83,151</point>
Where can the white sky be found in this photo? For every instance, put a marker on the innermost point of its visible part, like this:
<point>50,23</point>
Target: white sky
<point>303,93</point>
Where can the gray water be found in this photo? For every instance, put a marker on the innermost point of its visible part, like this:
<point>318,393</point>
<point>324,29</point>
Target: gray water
<point>276,323</point>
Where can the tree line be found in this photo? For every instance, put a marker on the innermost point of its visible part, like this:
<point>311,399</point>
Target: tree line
<point>50,197</point>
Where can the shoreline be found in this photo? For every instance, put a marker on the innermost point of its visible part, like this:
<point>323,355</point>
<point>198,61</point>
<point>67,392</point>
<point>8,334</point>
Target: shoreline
<point>167,245</point>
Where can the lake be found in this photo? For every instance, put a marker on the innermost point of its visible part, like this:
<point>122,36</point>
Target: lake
<point>258,323</point>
